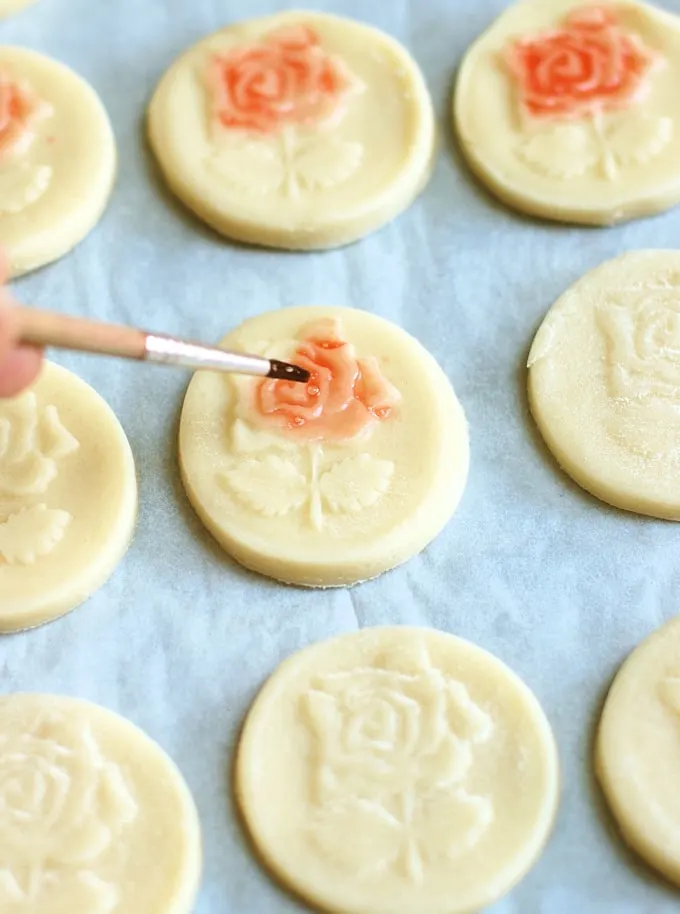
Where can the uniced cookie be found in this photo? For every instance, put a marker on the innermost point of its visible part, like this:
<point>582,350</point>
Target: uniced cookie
<point>299,130</point>
<point>570,110</point>
<point>397,771</point>
<point>638,750</point>
<point>604,382</point>
<point>68,498</point>
<point>94,817</point>
<point>57,159</point>
<point>334,481</point>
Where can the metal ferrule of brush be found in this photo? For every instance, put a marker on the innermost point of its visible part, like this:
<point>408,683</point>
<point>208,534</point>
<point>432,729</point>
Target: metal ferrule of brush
<point>167,350</point>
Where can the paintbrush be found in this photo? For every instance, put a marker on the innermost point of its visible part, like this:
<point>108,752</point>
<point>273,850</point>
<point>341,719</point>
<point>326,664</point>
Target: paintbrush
<point>50,329</point>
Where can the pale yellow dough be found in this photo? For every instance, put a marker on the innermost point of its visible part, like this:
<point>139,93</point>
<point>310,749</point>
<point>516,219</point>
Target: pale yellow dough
<point>305,186</point>
<point>638,750</point>
<point>325,513</point>
<point>68,498</point>
<point>623,165</point>
<point>7,7</point>
<point>94,817</point>
<point>55,185</point>
<point>604,382</point>
<point>398,771</point>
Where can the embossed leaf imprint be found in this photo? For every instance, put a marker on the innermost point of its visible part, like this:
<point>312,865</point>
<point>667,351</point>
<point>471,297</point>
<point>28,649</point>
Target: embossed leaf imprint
<point>21,111</point>
<point>393,752</point>
<point>299,445</point>
<point>274,105</point>
<point>577,86</point>
<point>33,441</point>
<point>62,805</point>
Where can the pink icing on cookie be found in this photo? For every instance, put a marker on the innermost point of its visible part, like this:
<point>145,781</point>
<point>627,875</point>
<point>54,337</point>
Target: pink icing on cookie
<point>287,79</point>
<point>20,110</point>
<point>343,397</point>
<point>590,65</point>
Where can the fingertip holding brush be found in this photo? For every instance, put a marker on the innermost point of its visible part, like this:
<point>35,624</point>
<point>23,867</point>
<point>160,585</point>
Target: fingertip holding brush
<point>59,331</point>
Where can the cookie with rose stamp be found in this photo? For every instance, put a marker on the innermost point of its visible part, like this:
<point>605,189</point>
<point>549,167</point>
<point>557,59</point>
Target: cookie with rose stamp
<point>68,498</point>
<point>300,130</point>
<point>570,111</point>
<point>57,159</point>
<point>94,817</point>
<point>334,481</point>
<point>397,771</point>
<point>638,749</point>
<point>604,382</point>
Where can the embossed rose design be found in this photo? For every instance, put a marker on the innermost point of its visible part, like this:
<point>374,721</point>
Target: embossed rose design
<point>393,751</point>
<point>59,803</point>
<point>20,110</point>
<point>285,80</point>
<point>61,806</point>
<point>32,441</point>
<point>343,397</point>
<point>644,346</point>
<point>289,431</point>
<point>590,65</point>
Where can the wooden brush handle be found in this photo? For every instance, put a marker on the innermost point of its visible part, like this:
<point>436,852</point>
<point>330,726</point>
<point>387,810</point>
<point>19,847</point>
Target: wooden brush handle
<point>47,328</point>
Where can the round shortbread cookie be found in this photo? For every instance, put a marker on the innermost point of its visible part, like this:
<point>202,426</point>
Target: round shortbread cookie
<point>638,750</point>
<point>299,130</point>
<point>397,771</point>
<point>68,498</point>
<point>335,481</point>
<point>571,111</point>
<point>57,159</point>
<point>94,817</point>
<point>604,382</point>
<point>7,7</point>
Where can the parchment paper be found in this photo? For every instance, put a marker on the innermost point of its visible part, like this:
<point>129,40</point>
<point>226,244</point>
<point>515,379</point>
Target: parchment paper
<point>556,584</point>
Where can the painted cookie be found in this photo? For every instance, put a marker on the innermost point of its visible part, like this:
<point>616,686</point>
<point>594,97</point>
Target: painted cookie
<point>68,498</point>
<point>94,817</point>
<point>57,159</point>
<point>604,382</point>
<point>335,481</point>
<point>397,771</point>
<point>638,750</point>
<point>299,130</point>
<point>570,110</point>
<point>7,7</point>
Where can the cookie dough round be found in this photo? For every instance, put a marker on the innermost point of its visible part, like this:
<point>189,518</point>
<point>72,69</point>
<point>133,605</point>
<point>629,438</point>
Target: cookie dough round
<point>638,750</point>
<point>570,111</point>
<point>68,498</point>
<point>397,771</point>
<point>299,130</point>
<point>604,382</point>
<point>7,7</point>
<point>335,481</point>
<point>94,816</point>
<point>57,159</point>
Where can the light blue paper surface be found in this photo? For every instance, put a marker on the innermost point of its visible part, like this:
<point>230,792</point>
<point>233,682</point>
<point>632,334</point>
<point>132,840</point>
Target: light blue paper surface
<point>531,568</point>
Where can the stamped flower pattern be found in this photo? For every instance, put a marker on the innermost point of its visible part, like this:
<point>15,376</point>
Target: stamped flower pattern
<point>22,182</point>
<point>273,106</point>
<point>576,86</point>
<point>295,445</point>
<point>62,805</point>
<point>641,327</point>
<point>33,441</point>
<point>393,749</point>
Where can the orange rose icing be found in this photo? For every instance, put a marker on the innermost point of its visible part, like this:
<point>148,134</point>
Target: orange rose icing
<point>285,80</point>
<point>590,65</point>
<point>343,397</point>
<point>20,109</point>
